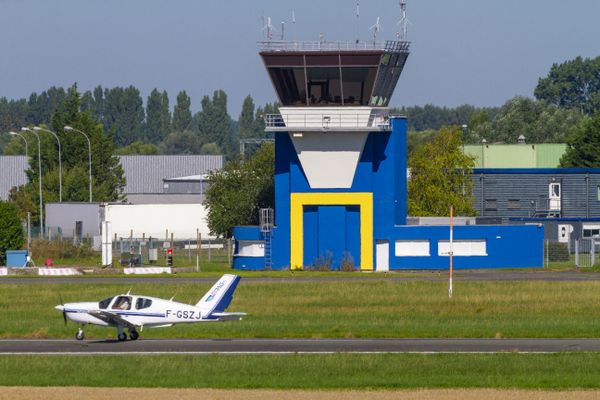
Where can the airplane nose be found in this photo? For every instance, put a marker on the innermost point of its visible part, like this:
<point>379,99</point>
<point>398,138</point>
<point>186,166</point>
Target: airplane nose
<point>59,308</point>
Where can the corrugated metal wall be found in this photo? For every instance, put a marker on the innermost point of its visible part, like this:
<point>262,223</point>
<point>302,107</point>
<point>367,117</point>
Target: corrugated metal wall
<point>145,174</point>
<point>545,155</point>
<point>579,193</point>
<point>12,173</point>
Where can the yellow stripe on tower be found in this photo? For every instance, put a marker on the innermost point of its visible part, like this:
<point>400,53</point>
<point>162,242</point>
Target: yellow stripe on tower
<point>299,200</point>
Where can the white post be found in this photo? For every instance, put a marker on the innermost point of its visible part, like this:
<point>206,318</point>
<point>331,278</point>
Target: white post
<point>451,253</point>
<point>106,244</point>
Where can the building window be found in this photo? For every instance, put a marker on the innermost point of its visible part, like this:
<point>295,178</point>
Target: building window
<point>591,231</point>
<point>514,204</point>
<point>491,205</point>
<point>476,247</point>
<point>412,248</point>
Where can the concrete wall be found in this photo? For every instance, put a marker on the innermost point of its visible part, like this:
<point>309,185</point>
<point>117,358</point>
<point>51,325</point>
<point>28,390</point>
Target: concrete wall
<point>61,218</point>
<point>153,220</point>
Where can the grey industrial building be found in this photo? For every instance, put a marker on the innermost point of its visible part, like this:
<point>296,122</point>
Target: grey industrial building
<point>149,179</point>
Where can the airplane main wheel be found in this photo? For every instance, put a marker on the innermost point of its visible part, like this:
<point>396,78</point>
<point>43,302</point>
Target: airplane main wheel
<point>79,335</point>
<point>133,335</point>
<point>122,337</point>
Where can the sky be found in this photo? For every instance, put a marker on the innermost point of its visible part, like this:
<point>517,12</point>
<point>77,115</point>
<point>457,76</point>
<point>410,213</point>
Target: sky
<point>477,52</point>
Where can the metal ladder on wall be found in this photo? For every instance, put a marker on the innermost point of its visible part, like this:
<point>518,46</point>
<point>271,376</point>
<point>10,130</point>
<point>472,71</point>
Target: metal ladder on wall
<point>266,219</point>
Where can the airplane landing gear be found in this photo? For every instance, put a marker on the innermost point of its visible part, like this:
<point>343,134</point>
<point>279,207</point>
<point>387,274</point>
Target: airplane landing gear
<point>133,334</point>
<point>121,336</point>
<point>79,335</point>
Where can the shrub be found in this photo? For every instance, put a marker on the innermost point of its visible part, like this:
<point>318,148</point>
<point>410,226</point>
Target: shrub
<point>558,251</point>
<point>11,229</point>
<point>61,249</point>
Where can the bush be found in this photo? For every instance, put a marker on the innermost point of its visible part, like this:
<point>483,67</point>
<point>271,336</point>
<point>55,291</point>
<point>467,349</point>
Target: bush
<point>558,251</point>
<point>11,229</point>
<point>61,249</point>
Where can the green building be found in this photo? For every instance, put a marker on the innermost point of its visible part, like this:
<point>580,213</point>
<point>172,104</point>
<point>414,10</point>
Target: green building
<point>523,155</point>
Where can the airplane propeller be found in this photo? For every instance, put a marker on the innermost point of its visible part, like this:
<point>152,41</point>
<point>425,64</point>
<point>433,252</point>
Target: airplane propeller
<point>64,314</point>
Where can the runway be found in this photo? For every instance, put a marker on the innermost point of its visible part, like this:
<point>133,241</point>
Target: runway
<point>296,346</point>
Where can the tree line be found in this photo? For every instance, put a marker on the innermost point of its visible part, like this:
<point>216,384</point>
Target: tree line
<point>135,128</point>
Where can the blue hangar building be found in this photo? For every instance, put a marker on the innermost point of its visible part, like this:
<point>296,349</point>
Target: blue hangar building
<point>340,173</point>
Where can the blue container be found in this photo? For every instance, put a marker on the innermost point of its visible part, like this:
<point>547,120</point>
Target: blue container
<point>16,258</point>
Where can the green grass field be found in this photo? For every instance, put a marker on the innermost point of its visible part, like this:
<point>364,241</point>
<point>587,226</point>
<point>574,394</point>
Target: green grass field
<point>377,307</point>
<point>341,371</point>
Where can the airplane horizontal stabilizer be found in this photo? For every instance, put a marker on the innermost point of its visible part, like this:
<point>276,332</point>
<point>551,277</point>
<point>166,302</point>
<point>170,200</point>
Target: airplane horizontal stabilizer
<point>235,316</point>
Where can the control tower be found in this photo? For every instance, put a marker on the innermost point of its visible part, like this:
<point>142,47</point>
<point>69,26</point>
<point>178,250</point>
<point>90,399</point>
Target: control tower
<point>341,176</point>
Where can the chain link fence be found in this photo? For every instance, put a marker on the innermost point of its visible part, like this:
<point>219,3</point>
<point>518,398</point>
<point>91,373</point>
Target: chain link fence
<point>135,252</point>
<point>577,253</point>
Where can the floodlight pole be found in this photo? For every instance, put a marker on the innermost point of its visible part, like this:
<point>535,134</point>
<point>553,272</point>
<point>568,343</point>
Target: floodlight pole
<point>37,128</point>
<point>25,140</point>
<point>40,177</point>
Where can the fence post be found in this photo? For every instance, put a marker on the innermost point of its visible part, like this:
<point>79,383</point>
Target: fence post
<point>229,252</point>
<point>593,251</point>
<point>577,252</point>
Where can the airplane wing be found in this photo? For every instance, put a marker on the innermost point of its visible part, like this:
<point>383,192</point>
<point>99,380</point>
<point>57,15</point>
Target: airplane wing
<point>111,318</point>
<point>233,316</point>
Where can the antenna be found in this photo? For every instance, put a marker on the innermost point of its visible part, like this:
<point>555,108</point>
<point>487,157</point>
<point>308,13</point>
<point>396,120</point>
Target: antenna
<point>294,23</point>
<point>268,28</point>
<point>376,28</point>
<point>357,22</point>
<point>404,22</point>
<point>282,30</point>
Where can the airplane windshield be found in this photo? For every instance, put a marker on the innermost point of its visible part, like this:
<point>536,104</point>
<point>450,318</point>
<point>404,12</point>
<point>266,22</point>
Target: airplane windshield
<point>104,303</point>
<point>122,303</point>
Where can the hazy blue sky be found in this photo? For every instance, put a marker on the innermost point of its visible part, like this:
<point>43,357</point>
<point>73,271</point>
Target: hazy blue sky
<point>478,52</point>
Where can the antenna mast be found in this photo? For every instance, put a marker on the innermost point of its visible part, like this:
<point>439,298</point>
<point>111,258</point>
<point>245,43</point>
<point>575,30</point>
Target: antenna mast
<point>268,28</point>
<point>404,22</point>
<point>357,22</point>
<point>376,28</point>
<point>294,23</point>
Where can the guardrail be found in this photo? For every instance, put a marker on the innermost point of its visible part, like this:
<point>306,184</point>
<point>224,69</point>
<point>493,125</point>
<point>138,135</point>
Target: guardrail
<point>326,121</point>
<point>278,45</point>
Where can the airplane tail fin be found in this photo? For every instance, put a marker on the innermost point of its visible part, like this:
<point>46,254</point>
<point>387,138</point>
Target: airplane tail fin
<point>218,298</point>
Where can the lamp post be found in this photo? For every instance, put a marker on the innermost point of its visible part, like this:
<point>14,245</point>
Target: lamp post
<point>25,140</point>
<point>464,136</point>
<point>40,177</point>
<point>37,128</point>
<point>69,128</point>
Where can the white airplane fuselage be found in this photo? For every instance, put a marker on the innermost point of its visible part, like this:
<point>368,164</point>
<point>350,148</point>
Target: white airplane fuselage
<point>162,312</point>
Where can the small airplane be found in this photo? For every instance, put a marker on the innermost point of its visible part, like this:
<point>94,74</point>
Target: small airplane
<point>132,311</point>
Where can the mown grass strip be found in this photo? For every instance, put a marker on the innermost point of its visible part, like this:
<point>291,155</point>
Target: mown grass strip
<point>340,371</point>
<point>332,309</point>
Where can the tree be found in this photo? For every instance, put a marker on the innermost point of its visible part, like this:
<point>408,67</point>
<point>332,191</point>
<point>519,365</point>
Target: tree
<point>246,120</point>
<point>158,117</point>
<point>572,84</point>
<point>583,144</point>
<point>214,123</point>
<point>138,148</point>
<point>108,179</point>
<point>537,121</point>
<point>182,116</point>
<point>239,190</point>
<point>124,114</point>
<point>440,177</point>
<point>11,228</point>
<point>185,142</point>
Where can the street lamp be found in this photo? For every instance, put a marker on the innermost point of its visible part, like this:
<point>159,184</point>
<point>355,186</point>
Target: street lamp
<point>40,177</point>
<point>37,128</point>
<point>464,136</point>
<point>25,140</point>
<point>69,128</point>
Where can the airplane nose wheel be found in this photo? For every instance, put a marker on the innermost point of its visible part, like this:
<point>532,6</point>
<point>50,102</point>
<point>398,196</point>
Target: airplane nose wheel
<point>133,334</point>
<point>79,335</point>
